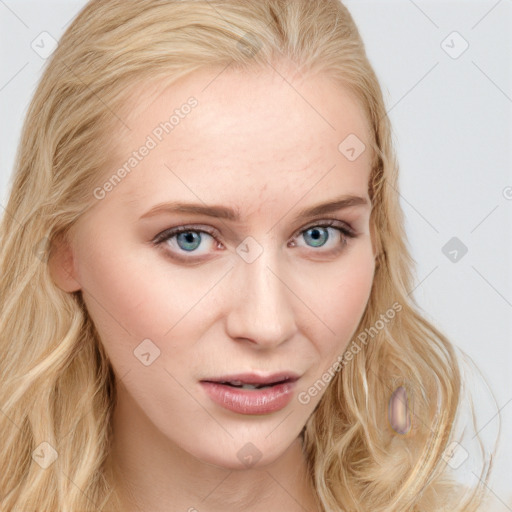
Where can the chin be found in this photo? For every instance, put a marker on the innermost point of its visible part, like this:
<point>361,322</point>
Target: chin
<point>248,456</point>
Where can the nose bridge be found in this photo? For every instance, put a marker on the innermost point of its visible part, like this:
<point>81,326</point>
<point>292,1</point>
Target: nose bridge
<point>261,310</point>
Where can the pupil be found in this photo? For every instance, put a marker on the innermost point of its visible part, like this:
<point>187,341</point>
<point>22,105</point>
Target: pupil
<point>189,237</point>
<point>316,236</point>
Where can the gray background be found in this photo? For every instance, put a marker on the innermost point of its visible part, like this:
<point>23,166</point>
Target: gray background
<point>452,118</point>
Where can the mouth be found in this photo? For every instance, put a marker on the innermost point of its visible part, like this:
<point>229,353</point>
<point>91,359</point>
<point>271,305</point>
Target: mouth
<point>254,381</point>
<point>251,393</point>
<point>241,385</point>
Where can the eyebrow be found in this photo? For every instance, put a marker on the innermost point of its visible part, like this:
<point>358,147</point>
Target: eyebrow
<point>231,214</point>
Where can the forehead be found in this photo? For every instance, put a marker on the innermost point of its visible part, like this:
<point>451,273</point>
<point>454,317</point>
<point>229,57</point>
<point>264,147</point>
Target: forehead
<point>255,132</point>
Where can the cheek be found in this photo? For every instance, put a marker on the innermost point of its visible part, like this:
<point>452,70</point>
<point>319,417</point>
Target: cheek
<point>339,298</point>
<point>130,299</point>
<point>122,296</point>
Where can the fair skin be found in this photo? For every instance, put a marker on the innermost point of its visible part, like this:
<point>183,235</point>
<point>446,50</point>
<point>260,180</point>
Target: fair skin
<point>268,148</point>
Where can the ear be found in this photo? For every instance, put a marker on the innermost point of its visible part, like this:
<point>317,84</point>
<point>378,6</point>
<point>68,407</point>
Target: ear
<point>61,265</point>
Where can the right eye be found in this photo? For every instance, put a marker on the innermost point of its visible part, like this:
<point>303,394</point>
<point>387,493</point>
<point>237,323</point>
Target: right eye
<point>184,239</point>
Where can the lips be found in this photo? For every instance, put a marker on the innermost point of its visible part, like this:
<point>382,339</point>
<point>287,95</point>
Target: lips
<point>251,393</point>
<point>254,381</point>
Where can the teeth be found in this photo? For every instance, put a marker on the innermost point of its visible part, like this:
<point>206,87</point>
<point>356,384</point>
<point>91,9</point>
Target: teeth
<point>249,386</point>
<point>241,385</point>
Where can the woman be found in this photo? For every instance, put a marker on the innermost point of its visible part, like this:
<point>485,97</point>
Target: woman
<point>205,268</point>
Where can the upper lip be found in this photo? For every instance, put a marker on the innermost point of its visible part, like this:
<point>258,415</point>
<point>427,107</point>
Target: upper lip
<point>254,378</point>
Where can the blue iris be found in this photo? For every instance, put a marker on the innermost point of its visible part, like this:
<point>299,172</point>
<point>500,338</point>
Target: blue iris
<point>189,237</point>
<point>316,237</point>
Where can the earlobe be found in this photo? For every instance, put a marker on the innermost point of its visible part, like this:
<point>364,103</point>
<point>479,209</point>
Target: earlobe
<point>61,265</point>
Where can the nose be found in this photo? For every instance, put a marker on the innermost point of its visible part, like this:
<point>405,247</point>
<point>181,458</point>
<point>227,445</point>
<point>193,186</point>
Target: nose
<point>260,307</point>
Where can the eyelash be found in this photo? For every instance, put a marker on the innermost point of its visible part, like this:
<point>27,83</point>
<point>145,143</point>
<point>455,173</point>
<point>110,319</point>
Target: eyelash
<point>346,231</point>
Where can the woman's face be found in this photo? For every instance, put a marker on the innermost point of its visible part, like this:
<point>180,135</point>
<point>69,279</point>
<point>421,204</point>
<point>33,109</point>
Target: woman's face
<point>256,286</point>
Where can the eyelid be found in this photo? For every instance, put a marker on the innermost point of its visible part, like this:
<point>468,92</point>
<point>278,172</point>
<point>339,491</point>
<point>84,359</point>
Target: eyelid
<point>346,231</point>
<point>344,226</point>
<point>340,224</point>
<point>183,228</point>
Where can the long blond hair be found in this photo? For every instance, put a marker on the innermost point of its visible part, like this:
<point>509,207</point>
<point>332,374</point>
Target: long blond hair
<point>58,388</point>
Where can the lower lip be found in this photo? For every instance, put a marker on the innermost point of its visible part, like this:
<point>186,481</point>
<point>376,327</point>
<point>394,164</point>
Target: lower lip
<point>250,401</point>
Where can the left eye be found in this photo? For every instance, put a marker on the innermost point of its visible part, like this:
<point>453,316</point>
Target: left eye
<point>188,239</point>
<point>318,236</point>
